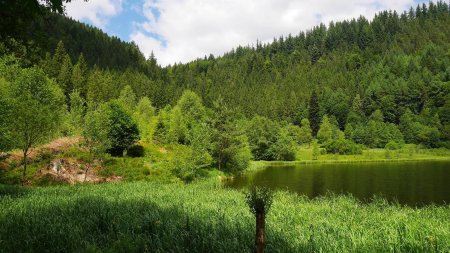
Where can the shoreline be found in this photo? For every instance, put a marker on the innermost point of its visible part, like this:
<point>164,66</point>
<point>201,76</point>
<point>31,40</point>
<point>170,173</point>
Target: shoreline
<point>257,165</point>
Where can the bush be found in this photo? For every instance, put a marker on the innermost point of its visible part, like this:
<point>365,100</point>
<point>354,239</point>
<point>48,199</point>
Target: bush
<point>344,147</point>
<point>189,163</point>
<point>392,145</point>
<point>135,150</point>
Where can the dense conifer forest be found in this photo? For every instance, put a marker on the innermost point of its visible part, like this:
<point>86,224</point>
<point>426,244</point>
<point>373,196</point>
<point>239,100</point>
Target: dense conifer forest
<point>348,85</point>
<point>391,71</point>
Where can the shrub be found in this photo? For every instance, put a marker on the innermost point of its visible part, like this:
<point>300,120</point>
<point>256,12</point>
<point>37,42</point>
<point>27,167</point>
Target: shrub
<point>392,145</point>
<point>189,164</point>
<point>344,147</point>
<point>135,150</point>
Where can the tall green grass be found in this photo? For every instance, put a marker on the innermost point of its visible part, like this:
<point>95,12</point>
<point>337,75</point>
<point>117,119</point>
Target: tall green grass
<point>204,217</point>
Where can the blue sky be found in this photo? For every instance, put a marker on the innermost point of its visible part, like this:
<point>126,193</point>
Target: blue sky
<point>183,30</point>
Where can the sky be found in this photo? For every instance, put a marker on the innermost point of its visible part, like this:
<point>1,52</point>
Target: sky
<point>184,30</point>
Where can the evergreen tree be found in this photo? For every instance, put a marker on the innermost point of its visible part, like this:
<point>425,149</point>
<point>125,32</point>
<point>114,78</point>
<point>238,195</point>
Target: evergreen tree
<point>314,113</point>
<point>65,75</point>
<point>79,76</point>
<point>325,133</point>
<point>54,66</point>
<point>231,150</point>
<point>357,105</point>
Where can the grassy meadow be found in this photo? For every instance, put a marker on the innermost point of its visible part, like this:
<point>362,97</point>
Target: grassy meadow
<point>155,217</point>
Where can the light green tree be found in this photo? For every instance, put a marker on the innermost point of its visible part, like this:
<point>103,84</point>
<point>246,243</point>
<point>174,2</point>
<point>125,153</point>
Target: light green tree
<point>76,112</point>
<point>325,133</point>
<point>37,106</point>
<point>143,115</point>
<point>95,131</point>
<point>127,99</point>
<point>5,112</point>
<point>305,132</point>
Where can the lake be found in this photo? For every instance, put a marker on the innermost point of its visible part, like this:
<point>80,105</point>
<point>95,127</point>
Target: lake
<point>411,183</point>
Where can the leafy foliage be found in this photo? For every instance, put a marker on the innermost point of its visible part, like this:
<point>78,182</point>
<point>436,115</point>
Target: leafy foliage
<point>259,199</point>
<point>123,131</point>
<point>33,110</point>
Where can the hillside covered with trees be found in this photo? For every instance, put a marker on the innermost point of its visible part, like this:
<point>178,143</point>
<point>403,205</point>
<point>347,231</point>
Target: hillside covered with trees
<point>344,87</point>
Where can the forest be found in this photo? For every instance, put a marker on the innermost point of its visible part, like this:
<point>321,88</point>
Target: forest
<point>354,90</point>
<point>349,85</point>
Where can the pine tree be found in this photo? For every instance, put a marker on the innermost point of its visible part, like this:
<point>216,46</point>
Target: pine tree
<point>231,149</point>
<point>79,76</point>
<point>54,66</point>
<point>325,133</point>
<point>357,105</point>
<point>65,75</point>
<point>314,113</point>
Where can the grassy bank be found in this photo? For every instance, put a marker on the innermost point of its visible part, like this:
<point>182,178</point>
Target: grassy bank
<point>204,217</point>
<point>304,156</point>
<point>408,152</point>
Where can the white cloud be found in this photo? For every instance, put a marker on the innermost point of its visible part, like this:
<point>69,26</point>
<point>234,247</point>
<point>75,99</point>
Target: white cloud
<point>194,28</point>
<point>95,11</point>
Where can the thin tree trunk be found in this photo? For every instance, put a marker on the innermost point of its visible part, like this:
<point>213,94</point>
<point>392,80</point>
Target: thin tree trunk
<point>220,160</point>
<point>85,173</point>
<point>260,227</point>
<point>25,154</point>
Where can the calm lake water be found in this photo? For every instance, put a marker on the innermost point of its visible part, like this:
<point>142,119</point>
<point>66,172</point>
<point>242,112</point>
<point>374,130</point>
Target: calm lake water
<point>412,183</point>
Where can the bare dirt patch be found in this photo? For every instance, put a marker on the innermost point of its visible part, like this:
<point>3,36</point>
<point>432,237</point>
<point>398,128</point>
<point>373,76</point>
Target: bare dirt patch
<point>60,168</point>
<point>56,146</point>
<point>73,171</point>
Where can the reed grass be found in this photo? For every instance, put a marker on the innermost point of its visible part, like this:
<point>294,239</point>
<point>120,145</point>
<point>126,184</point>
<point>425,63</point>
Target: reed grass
<point>204,217</point>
